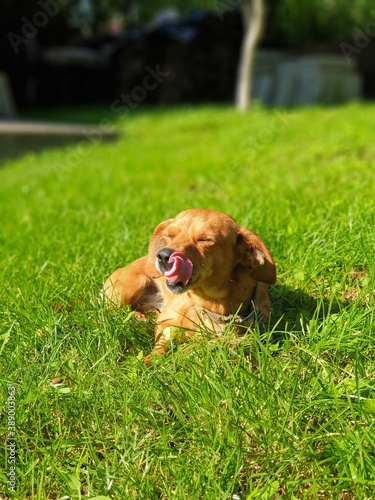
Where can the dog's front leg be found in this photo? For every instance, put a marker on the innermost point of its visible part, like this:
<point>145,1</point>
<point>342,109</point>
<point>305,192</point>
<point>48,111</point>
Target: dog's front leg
<point>129,285</point>
<point>165,337</point>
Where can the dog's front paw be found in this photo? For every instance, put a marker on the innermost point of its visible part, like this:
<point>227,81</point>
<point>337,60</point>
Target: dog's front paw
<point>155,353</point>
<point>140,316</point>
<point>169,336</point>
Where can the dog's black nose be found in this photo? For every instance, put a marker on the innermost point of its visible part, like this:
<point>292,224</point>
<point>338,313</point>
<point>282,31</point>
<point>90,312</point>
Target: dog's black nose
<point>163,258</point>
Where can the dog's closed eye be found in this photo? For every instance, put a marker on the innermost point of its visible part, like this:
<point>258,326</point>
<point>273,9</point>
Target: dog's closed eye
<point>205,240</point>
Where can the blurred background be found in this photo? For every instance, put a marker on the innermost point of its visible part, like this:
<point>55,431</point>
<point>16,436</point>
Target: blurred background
<point>74,52</point>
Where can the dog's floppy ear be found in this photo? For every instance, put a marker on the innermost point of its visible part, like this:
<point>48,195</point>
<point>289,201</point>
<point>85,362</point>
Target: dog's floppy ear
<point>254,253</point>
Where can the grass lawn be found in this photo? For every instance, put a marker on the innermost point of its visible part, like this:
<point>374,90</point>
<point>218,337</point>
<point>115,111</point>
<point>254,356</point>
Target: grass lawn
<point>289,414</point>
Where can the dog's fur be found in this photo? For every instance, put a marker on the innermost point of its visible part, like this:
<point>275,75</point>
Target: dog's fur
<point>232,268</point>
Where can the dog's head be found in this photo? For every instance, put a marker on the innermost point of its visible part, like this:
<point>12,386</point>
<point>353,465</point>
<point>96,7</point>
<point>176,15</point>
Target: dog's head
<point>202,247</point>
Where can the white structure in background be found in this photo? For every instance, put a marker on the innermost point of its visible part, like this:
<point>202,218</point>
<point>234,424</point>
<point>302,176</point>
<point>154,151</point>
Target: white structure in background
<point>7,106</point>
<point>265,74</point>
<point>287,81</point>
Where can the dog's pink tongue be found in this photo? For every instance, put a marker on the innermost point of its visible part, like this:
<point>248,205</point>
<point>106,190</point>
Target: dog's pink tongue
<point>181,268</point>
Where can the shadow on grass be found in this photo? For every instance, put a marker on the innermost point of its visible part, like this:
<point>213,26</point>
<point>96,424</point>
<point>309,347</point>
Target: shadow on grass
<point>292,308</point>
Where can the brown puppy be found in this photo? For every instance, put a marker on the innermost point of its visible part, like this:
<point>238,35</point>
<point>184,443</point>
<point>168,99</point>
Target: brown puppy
<point>202,269</point>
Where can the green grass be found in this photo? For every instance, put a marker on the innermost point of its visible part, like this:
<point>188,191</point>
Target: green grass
<point>290,414</point>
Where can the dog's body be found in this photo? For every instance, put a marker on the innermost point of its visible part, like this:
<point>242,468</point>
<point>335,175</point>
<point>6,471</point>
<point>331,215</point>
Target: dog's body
<point>202,269</point>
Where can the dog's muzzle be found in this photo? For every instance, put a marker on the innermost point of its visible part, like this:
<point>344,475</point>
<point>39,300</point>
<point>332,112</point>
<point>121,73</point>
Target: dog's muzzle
<point>162,260</point>
<point>176,267</point>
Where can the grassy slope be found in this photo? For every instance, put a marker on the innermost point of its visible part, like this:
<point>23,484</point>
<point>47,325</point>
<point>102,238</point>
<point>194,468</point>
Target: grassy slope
<point>296,418</point>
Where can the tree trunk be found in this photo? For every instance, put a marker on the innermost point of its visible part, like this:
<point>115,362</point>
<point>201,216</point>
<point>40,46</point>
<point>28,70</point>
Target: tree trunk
<point>252,13</point>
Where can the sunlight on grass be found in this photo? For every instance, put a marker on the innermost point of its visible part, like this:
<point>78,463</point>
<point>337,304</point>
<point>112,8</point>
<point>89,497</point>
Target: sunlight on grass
<point>286,415</point>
